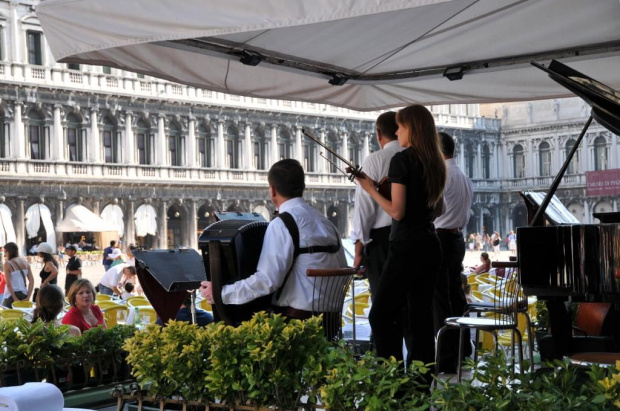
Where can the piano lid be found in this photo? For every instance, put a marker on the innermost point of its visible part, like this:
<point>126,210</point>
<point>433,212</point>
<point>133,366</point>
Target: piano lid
<point>604,100</point>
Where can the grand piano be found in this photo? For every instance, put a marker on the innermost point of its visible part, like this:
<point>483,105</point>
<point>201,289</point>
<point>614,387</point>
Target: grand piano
<point>571,262</point>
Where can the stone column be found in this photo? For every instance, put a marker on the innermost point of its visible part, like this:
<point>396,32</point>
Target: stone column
<point>344,146</point>
<point>129,157</point>
<point>586,213</point>
<point>193,224</point>
<point>60,210</point>
<point>58,146</point>
<point>20,140</point>
<point>366,146</point>
<point>94,152</point>
<point>160,145</point>
<point>163,225</point>
<point>190,155</point>
<point>299,148</point>
<point>130,224</point>
<point>247,150</point>
<point>220,148</point>
<point>274,144</point>
<point>20,227</point>
<point>478,161</point>
<point>531,169</point>
<point>557,160</point>
<point>321,160</point>
<point>96,205</point>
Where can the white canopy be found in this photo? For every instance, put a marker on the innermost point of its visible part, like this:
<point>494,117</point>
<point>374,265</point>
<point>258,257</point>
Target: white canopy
<point>36,214</point>
<point>113,216</point>
<point>393,52</point>
<point>80,219</point>
<point>7,232</point>
<point>146,220</point>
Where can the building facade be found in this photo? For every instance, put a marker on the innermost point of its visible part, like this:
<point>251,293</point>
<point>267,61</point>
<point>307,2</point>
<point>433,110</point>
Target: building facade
<point>156,159</point>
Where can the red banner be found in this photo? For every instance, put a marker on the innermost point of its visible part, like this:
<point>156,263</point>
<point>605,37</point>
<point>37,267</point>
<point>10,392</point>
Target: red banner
<point>603,183</point>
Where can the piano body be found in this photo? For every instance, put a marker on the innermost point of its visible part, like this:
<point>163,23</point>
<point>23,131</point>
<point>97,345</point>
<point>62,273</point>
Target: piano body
<point>578,262</point>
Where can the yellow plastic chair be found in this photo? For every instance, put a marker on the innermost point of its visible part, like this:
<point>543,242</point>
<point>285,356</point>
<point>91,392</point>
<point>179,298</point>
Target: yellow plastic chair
<point>148,313</point>
<point>107,304</point>
<point>23,304</point>
<point>138,302</point>
<point>111,314</point>
<point>103,297</point>
<point>11,314</point>
<point>205,305</point>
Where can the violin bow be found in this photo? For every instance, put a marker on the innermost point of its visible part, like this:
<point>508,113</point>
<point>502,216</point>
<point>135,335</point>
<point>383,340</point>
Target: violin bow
<point>355,170</point>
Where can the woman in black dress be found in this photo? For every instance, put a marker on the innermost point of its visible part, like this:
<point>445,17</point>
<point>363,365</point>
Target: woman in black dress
<point>418,177</point>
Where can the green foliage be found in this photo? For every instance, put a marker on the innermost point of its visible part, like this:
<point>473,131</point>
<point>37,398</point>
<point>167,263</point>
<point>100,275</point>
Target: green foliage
<point>562,386</point>
<point>372,383</point>
<point>35,344</point>
<point>267,360</point>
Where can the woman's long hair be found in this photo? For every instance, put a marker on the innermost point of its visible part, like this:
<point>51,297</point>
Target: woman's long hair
<point>48,257</point>
<point>50,302</point>
<point>11,250</point>
<point>424,139</point>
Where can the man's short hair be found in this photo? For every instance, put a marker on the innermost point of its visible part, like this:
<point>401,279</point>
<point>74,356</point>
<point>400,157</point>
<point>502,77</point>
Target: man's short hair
<point>447,144</point>
<point>131,269</point>
<point>386,125</point>
<point>287,177</point>
<point>129,287</point>
<point>112,243</point>
<point>71,247</point>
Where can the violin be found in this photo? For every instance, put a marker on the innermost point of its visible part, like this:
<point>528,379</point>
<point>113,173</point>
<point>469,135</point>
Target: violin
<point>383,187</point>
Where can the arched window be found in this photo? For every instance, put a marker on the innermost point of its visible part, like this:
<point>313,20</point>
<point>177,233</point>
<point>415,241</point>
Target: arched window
<point>600,154</point>
<point>233,148</point>
<point>75,138</point>
<point>470,159</point>
<point>144,142</point>
<point>36,136</point>
<point>573,166</point>
<point>111,141</point>
<point>544,159</point>
<point>176,145</point>
<point>309,153</point>
<point>519,161</point>
<point>486,161</point>
<point>204,144</point>
<point>285,145</point>
<point>259,149</point>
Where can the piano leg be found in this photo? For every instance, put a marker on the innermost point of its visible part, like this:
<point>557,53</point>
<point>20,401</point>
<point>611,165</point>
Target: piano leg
<point>561,328</point>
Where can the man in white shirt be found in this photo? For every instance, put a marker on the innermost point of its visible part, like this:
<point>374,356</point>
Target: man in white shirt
<point>316,232</point>
<point>372,225</point>
<point>449,297</point>
<point>111,279</point>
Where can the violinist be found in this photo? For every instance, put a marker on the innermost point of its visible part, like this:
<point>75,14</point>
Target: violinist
<point>371,224</point>
<point>418,177</point>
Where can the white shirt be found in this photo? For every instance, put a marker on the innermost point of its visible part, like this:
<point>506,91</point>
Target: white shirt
<point>277,256</point>
<point>113,276</point>
<point>367,214</point>
<point>458,196</point>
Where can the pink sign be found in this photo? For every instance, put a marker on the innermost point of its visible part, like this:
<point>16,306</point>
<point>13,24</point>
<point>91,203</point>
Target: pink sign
<point>603,183</point>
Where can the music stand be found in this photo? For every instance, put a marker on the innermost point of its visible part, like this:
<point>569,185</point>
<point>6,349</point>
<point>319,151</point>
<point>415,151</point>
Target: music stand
<point>166,276</point>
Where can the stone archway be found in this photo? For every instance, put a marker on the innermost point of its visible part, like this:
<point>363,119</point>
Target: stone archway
<point>519,217</point>
<point>335,215</point>
<point>175,229</point>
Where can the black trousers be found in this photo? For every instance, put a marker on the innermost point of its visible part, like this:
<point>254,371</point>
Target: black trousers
<point>375,254</point>
<point>449,298</point>
<point>407,283</point>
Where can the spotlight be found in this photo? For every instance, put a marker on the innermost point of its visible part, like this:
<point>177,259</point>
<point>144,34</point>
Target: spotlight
<point>338,80</point>
<point>455,73</point>
<point>334,214</point>
<point>177,214</point>
<point>207,214</point>
<point>250,58</point>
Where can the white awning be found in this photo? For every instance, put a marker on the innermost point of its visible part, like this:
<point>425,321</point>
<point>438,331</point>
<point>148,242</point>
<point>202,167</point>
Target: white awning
<point>393,52</point>
<point>36,214</point>
<point>113,216</point>
<point>7,232</point>
<point>80,219</point>
<point>146,220</point>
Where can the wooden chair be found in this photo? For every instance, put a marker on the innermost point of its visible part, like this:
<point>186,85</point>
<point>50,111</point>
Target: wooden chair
<point>11,314</point>
<point>23,304</point>
<point>330,289</point>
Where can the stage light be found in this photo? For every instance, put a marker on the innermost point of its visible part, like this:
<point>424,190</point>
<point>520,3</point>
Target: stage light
<point>455,73</point>
<point>338,80</point>
<point>250,58</point>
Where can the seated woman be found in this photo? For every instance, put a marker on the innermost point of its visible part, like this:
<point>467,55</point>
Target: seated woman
<point>50,302</point>
<point>484,267</point>
<point>84,314</point>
